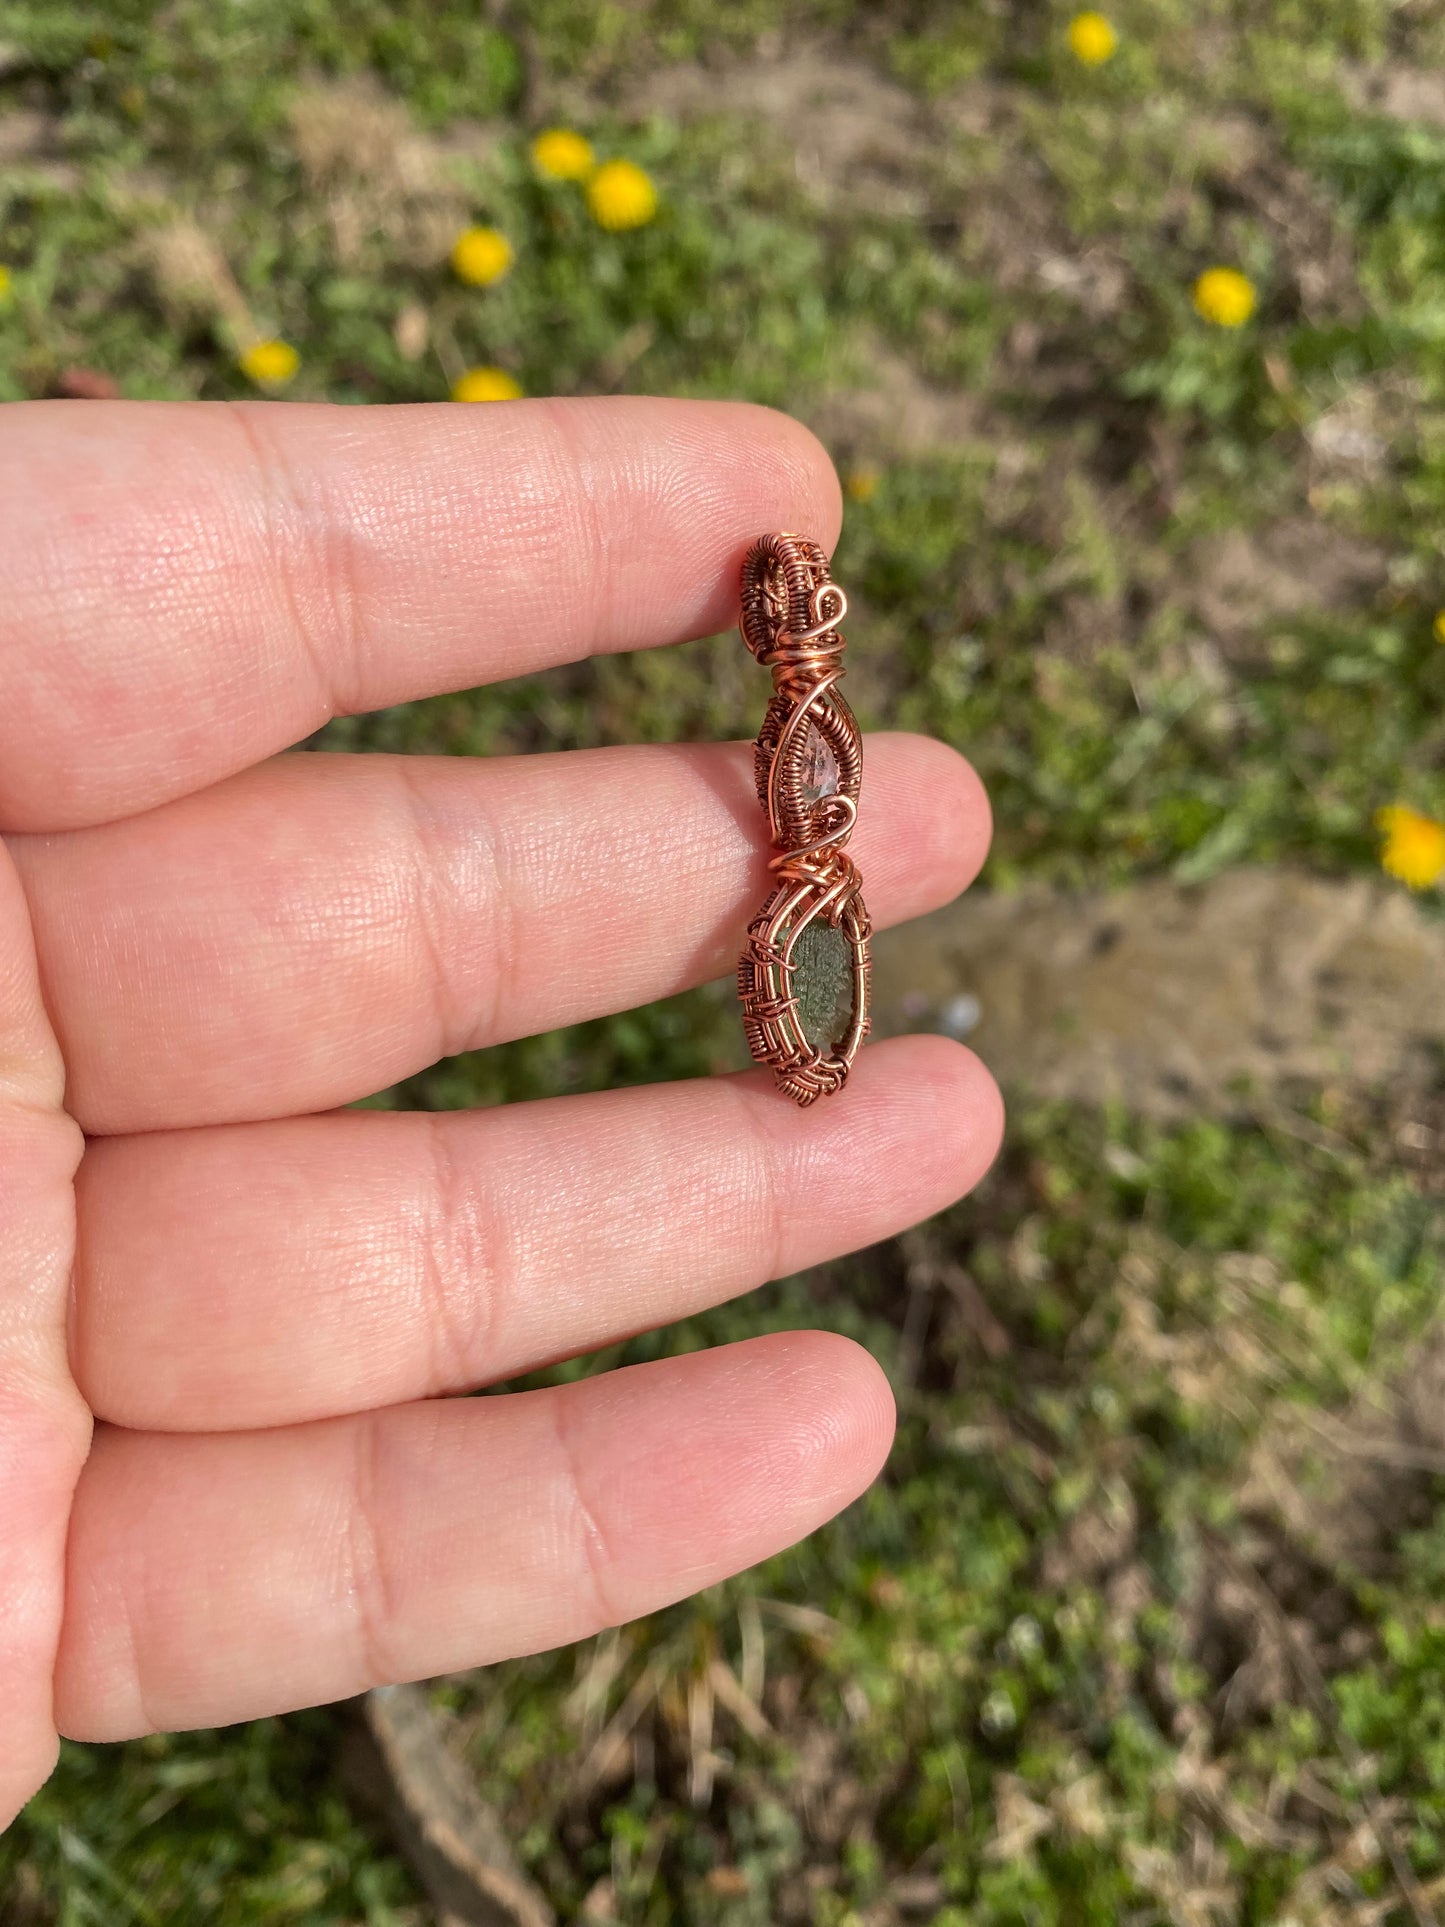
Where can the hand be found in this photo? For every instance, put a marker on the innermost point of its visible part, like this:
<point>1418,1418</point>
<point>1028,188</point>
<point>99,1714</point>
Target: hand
<point>205,948</point>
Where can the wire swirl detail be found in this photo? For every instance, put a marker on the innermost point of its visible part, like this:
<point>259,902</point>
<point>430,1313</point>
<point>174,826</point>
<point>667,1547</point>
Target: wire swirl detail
<point>808,764</point>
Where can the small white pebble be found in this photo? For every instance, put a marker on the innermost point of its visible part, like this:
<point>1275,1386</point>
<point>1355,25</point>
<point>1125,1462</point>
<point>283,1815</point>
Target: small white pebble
<point>959,1015</point>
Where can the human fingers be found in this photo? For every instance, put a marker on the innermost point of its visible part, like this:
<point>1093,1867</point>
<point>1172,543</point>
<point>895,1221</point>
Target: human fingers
<point>220,1577</point>
<point>263,1274</point>
<point>317,928</point>
<point>190,587</point>
<point>44,1423</point>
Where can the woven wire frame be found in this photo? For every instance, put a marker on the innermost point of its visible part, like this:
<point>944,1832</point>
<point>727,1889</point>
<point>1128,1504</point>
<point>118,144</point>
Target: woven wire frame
<point>791,609</point>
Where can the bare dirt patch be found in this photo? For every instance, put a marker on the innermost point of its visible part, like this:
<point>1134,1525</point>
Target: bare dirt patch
<point>1245,580</point>
<point>858,137</point>
<point>1173,999</point>
<point>1414,93</point>
<point>375,172</point>
<point>900,411</point>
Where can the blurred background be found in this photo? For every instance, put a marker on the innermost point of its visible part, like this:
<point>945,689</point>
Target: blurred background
<point>1126,334</point>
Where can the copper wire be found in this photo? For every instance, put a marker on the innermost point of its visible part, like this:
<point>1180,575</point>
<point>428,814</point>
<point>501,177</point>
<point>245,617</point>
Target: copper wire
<point>791,609</point>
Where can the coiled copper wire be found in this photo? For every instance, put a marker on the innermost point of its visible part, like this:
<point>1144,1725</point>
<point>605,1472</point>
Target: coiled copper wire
<point>791,609</point>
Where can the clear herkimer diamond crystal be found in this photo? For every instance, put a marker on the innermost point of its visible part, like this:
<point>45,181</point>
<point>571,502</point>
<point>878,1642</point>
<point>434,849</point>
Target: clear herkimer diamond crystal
<point>820,766</point>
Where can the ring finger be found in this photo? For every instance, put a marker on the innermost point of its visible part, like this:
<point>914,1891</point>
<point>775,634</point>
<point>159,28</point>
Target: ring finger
<point>256,1275</point>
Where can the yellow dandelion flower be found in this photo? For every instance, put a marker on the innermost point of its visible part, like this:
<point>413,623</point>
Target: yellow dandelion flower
<point>861,483</point>
<point>1092,39</point>
<point>621,196</point>
<point>1414,845</point>
<point>270,364</point>
<point>481,255</point>
<point>485,384</point>
<point>1438,625</point>
<point>7,286</point>
<point>1225,296</point>
<point>563,155</point>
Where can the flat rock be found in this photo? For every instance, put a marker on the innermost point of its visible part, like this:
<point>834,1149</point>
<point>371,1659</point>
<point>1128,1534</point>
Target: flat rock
<point>1173,999</point>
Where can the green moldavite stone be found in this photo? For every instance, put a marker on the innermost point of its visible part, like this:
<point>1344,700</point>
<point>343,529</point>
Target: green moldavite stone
<point>823,983</point>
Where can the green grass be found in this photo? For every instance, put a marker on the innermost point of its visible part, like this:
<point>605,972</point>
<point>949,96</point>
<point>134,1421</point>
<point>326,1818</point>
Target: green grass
<point>1030,595</point>
<point>1028,1597</point>
<point>247,1825</point>
<point>1020,1692</point>
<point>1032,1600</point>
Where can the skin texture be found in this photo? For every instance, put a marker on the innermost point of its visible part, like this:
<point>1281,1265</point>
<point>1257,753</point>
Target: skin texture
<point>228,1483</point>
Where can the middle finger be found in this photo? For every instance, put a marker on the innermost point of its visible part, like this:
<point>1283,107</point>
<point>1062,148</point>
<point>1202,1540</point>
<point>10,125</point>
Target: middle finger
<point>321,926</point>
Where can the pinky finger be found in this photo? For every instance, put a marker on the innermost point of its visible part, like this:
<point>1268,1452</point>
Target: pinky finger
<point>221,1577</point>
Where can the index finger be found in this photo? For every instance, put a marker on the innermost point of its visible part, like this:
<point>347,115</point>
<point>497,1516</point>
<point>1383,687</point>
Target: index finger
<point>192,586</point>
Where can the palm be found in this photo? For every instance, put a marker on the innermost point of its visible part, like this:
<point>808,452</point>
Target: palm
<point>204,953</point>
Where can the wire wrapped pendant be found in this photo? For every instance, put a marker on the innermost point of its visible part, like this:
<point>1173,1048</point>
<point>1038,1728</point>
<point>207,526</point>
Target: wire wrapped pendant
<point>803,976</point>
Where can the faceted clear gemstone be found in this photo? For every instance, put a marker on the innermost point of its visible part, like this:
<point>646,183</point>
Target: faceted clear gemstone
<point>823,983</point>
<point>820,766</point>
